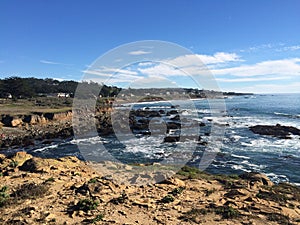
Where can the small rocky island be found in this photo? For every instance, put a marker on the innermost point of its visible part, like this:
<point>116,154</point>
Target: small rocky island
<point>278,130</point>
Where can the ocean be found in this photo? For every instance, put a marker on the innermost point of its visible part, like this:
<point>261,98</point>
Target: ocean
<point>240,150</point>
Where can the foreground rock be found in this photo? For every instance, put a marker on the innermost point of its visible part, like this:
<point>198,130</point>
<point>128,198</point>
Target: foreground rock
<point>276,131</point>
<point>67,191</point>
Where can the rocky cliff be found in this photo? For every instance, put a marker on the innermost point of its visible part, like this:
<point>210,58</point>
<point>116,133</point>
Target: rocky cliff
<point>35,118</point>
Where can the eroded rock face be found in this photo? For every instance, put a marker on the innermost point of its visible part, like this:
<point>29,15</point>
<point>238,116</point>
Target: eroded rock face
<point>276,131</point>
<point>35,118</point>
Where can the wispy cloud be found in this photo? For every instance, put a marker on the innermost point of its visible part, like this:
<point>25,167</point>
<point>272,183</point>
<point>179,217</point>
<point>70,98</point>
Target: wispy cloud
<point>111,76</point>
<point>196,59</point>
<point>284,67</point>
<point>262,47</point>
<point>289,48</point>
<point>54,63</point>
<point>139,52</point>
<point>106,71</point>
<point>153,81</point>
<point>161,70</point>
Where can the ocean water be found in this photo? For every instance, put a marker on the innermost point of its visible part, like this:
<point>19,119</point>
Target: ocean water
<point>235,151</point>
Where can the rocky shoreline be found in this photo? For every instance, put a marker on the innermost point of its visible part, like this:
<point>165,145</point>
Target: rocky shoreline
<point>67,191</point>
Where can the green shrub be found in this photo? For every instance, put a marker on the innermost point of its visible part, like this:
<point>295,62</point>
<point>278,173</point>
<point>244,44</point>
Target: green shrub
<point>51,179</point>
<point>98,218</point>
<point>3,196</point>
<point>93,180</point>
<point>167,199</point>
<point>177,191</point>
<point>227,212</point>
<point>87,204</point>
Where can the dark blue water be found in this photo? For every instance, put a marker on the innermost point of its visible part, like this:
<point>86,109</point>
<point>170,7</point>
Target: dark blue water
<point>241,150</point>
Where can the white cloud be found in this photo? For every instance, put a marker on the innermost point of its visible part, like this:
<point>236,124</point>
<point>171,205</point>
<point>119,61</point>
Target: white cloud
<point>106,72</point>
<point>161,70</point>
<point>201,67</point>
<point>146,64</point>
<point>153,82</point>
<point>139,52</point>
<point>111,76</point>
<point>220,57</point>
<point>199,60</point>
<point>54,63</point>
<point>284,67</point>
<point>95,72</point>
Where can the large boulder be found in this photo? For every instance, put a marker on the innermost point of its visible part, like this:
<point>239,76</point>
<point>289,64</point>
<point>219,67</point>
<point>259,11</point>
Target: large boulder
<point>256,178</point>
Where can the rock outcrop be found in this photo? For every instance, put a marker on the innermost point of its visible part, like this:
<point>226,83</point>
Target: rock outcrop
<point>278,130</point>
<point>67,191</point>
<point>34,118</point>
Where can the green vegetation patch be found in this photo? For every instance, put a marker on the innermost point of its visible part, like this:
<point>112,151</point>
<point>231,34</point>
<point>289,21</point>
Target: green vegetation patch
<point>98,218</point>
<point>30,191</point>
<point>87,205</point>
<point>176,191</point>
<point>167,199</point>
<point>3,196</point>
<point>227,212</point>
<point>192,173</point>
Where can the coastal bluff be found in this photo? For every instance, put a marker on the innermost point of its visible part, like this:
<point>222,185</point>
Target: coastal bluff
<point>25,129</point>
<point>67,191</point>
<point>35,118</point>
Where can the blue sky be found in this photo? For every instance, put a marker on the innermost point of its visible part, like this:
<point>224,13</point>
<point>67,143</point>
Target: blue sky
<point>251,46</point>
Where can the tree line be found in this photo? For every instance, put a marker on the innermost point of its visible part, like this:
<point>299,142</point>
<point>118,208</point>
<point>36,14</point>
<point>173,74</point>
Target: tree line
<point>17,87</point>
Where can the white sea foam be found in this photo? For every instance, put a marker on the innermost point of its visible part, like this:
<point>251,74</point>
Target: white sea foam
<point>45,148</point>
<point>240,167</point>
<point>277,177</point>
<point>90,140</point>
<point>287,115</point>
<point>240,156</point>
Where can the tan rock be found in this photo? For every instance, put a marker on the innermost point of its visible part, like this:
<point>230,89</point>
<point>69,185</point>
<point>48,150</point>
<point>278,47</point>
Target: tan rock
<point>174,181</point>
<point>21,157</point>
<point>16,122</point>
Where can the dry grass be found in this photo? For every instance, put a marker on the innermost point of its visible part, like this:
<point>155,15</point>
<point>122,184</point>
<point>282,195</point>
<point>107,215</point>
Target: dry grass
<point>41,105</point>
